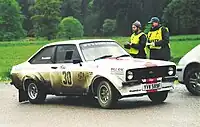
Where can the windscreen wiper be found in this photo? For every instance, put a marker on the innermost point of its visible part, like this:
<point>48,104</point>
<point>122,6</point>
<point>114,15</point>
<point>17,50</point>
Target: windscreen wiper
<point>125,55</point>
<point>103,57</point>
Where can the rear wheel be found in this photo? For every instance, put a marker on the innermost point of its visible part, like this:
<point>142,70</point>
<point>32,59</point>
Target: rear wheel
<point>35,92</point>
<point>107,95</point>
<point>192,81</point>
<point>158,97</point>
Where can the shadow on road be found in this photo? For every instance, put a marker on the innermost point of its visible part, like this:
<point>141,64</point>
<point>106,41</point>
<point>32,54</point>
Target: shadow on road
<point>82,102</point>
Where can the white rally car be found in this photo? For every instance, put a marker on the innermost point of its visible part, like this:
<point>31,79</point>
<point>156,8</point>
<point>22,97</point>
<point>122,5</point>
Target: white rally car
<point>188,70</point>
<point>98,68</point>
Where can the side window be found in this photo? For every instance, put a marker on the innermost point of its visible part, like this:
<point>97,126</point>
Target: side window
<point>67,53</point>
<point>44,56</point>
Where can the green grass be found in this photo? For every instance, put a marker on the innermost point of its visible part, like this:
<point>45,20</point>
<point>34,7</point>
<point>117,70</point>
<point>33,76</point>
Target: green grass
<point>13,53</point>
<point>185,37</point>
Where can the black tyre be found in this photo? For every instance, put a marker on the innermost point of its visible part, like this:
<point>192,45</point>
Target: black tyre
<point>107,95</point>
<point>158,97</point>
<point>35,92</point>
<point>192,81</point>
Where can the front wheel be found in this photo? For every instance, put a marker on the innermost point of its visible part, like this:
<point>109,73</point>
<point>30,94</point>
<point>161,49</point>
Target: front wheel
<point>158,97</point>
<point>192,81</point>
<point>107,95</point>
<point>35,93</point>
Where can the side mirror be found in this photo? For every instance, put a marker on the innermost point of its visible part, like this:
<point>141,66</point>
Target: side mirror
<point>76,61</point>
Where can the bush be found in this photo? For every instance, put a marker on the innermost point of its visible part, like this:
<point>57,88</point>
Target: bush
<point>70,27</point>
<point>109,27</point>
<point>10,21</point>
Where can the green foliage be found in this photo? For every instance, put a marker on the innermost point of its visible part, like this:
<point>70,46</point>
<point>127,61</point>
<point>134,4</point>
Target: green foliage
<point>71,8</point>
<point>183,16</point>
<point>90,5</point>
<point>91,24</point>
<point>109,27</point>
<point>10,20</point>
<point>147,28</point>
<point>70,27</point>
<point>27,24</point>
<point>46,17</point>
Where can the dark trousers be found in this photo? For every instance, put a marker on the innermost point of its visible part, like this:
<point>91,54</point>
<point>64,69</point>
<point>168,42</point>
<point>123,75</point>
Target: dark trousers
<point>160,54</point>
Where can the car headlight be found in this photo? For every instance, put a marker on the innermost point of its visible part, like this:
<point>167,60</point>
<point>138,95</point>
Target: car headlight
<point>170,71</point>
<point>129,75</point>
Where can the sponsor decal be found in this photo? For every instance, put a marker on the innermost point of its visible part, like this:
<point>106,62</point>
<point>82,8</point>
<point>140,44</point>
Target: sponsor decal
<point>149,64</point>
<point>151,80</point>
<point>84,75</point>
<point>81,76</point>
<point>46,58</point>
<point>62,67</point>
<point>119,71</point>
<point>95,44</point>
<point>90,73</point>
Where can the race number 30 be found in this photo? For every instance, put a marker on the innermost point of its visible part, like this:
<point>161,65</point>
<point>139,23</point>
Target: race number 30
<point>67,78</point>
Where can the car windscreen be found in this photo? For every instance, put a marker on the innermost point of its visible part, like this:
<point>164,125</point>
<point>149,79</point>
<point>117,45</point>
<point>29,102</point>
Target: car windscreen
<point>94,50</point>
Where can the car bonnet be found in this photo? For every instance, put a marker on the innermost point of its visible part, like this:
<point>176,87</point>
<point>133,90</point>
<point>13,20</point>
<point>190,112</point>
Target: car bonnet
<point>131,63</point>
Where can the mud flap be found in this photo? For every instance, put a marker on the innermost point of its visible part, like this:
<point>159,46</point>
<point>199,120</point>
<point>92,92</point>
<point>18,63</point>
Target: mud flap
<point>22,96</point>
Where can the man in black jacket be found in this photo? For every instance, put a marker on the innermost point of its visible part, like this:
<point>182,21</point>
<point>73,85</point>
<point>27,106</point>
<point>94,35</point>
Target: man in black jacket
<point>137,42</point>
<point>158,41</point>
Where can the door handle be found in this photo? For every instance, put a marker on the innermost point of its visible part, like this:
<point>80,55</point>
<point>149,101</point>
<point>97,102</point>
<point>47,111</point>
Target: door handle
<point>54,67</point>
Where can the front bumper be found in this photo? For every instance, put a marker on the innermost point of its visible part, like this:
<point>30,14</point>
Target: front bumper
<point>134,88</point>
<point>180,73</point>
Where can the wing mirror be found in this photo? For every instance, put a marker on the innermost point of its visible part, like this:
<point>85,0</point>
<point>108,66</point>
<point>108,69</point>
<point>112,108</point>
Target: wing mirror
<point>76,61</point>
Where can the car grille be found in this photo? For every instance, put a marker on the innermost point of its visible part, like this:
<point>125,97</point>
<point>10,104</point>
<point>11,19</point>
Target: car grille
<point>150,72</point>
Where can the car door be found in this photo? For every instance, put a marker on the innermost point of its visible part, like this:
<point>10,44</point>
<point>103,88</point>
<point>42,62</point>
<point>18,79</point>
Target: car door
<point>41,64</point>
<point>64,73</point>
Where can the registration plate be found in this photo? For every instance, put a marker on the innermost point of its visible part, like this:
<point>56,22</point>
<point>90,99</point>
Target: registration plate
<point>153,86</point>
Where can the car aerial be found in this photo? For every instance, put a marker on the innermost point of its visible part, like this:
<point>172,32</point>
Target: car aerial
<point>188,71</point>
<point>98,69</point>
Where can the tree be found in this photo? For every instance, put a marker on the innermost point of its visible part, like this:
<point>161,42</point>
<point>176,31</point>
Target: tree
<point>27,24</point>
<point>46,17</point>
<point>70,27</point>
<point>10,20</point>
<point>84,10</point>
<point>109,27</point>
<point>71,8</point>
<point>182,16</point>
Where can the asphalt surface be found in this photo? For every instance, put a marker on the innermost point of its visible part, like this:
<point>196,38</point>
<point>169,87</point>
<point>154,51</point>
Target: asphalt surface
<point>181,109</point>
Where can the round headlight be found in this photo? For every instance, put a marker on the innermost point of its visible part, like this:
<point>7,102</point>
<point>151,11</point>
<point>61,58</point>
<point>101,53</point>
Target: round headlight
<point>130,75</point>
<point>170,71</point>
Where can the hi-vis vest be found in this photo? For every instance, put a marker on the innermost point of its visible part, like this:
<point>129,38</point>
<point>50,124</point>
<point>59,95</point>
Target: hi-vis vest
<point>135,39</point>
<point>154,36</point>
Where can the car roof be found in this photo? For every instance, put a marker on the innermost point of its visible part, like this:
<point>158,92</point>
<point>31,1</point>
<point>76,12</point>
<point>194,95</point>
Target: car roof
<point>76,41</point>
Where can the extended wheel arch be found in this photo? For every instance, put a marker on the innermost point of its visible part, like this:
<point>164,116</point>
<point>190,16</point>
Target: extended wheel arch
<point>29,78</point>
<point>95,82</point>
<point>189,67</point>
<point>35,90</point>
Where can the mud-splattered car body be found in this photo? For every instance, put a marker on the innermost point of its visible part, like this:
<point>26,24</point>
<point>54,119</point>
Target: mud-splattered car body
<point>79,67</point>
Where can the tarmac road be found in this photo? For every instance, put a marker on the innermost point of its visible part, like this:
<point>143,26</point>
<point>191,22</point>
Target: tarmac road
<point>181,109</point>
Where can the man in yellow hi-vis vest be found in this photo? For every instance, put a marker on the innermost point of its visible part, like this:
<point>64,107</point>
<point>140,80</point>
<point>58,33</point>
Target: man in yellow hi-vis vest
<point>158,41</point>
<point>137,42</point>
